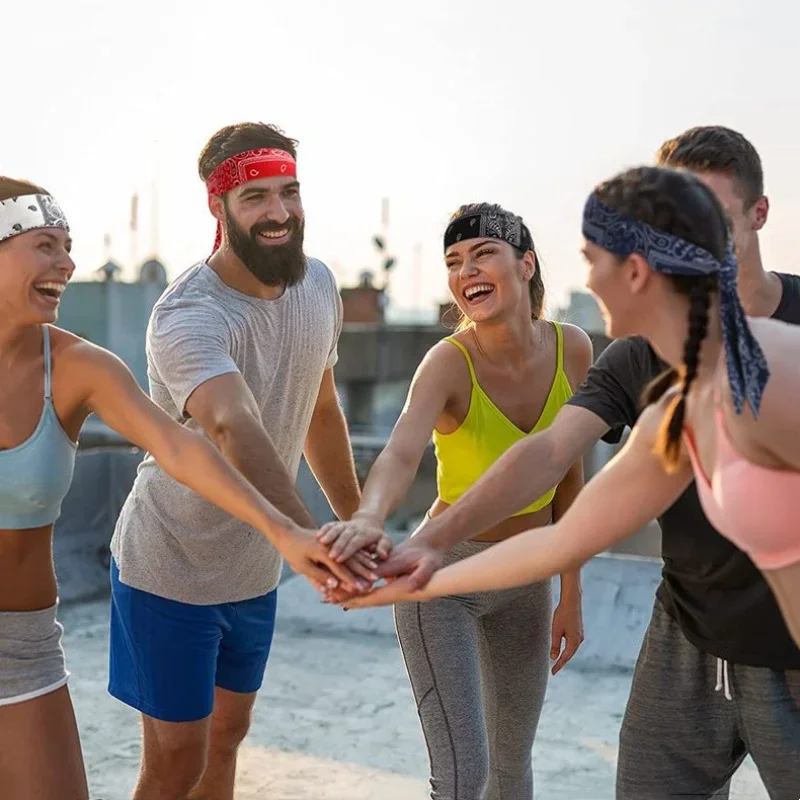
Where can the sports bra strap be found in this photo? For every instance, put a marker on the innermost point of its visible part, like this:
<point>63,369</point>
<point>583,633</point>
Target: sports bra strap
<point>47,364</point>
<point>464,350</point>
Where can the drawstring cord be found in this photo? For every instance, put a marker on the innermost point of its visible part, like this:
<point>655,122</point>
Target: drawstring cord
<point>722,678</point>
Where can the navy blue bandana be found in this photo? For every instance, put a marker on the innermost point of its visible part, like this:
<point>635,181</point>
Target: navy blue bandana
<point>748,372</point>
<point>490,225</point>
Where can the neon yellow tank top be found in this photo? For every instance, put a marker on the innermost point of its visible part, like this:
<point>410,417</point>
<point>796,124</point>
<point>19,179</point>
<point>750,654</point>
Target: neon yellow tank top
<point>486,433</point>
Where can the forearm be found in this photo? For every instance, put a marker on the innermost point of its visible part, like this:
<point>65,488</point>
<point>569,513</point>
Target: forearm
<point>191,459</point>
<point>386,486</point>
<point>567,491</point>
<point>524,472</point>
<point>629,491</point>
<point>248,447</point>
<point>526,558</point>
<point>330,457</point>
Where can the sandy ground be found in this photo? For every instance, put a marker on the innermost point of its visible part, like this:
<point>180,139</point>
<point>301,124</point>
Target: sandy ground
<point>335,719</point>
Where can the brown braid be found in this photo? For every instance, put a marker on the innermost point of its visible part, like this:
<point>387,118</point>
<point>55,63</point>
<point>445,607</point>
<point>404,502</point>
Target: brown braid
<point>680,204</point>
<point>669,439</point>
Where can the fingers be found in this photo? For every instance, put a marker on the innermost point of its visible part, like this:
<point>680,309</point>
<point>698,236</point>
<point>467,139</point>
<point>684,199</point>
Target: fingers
<point>555,644</point>
<point>338,596</point>
<point>368,560</point>
<point>383,547</point>
<point>340,571</point>
<point>329,533</point>
<point>349,542</point>
<point>570,648</point>
<point>399,562</point>
<point>319,577</point>
<point>419,577</point>
<point>363,567</point>
<point>388,595</point>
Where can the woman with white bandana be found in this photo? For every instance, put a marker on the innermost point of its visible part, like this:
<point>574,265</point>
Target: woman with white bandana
<point>662,266</point>
<point>50,381</point>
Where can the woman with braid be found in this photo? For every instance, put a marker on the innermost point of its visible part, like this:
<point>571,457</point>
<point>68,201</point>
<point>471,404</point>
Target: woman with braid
<point>662,266</point>
<point>478,662</point>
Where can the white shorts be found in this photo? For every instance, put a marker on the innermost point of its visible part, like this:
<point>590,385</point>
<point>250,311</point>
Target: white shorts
<point>31,656</point>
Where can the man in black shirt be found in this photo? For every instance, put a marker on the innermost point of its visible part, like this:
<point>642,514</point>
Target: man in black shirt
<point>718,675</point>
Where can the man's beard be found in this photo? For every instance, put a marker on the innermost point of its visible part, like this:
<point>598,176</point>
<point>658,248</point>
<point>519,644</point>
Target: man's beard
<point>273,265</point>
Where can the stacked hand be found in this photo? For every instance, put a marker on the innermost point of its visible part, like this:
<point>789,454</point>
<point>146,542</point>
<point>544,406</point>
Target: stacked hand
<point>406,568</point>
<point>307,556</point>
<point>361,546</point>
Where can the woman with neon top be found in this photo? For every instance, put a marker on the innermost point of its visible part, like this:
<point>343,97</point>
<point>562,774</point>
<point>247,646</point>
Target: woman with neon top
<point>478,662</point>
<point>662,265</point>
<point>50,381</point>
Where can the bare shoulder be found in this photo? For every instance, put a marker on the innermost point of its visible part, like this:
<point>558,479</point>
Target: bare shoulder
<point>77,355</point>
<point>776,430</point>
<point>445,362</point>
<point>578,353</point>
<point>650,420</point>
<point>576,340</point>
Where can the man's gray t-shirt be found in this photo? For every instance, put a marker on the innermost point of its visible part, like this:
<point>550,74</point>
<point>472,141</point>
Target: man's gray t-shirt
<point>168,540</point>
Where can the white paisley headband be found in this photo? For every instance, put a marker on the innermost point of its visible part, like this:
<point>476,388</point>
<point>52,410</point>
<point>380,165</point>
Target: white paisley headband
<point>28,212</point>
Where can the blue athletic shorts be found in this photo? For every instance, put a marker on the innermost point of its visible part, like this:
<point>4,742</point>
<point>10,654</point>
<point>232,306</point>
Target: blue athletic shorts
<point>166,657</point>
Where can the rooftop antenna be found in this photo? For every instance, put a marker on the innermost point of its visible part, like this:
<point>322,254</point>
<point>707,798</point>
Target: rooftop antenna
<point>134,228</point>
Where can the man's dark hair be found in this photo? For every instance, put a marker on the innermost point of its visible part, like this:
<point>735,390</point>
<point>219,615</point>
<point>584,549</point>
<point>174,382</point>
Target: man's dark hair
<point>714,148</point>
<point>234,139</point>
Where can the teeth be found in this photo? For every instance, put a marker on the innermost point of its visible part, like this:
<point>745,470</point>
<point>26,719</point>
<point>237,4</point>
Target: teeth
<point>480,287</point>
<point>52,286</point>
<point>273,234</point>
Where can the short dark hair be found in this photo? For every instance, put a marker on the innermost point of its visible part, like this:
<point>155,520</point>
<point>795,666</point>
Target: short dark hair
<point>714,148</point>
<point>234,139</point>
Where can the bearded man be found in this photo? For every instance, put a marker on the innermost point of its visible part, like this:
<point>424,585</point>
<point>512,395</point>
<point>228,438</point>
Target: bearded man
<point>240,347</point>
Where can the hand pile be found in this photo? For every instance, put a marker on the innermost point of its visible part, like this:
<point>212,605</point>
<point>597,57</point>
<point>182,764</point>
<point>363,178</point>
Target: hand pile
<point>344,561</point>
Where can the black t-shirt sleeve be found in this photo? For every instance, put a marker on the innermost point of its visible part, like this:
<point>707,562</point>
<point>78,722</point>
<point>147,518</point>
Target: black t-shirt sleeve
<point>613,386</point>
<point>789,308</point>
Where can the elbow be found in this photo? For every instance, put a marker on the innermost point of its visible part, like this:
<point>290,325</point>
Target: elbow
<point>227,428</point>
<point>545,453</point>
<point>173,451</point>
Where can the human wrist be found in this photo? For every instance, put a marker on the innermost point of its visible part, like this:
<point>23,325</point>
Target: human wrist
<point>571,589</point>
<point>281,535</point>
<point>431,535</point>
<point>368,516</point>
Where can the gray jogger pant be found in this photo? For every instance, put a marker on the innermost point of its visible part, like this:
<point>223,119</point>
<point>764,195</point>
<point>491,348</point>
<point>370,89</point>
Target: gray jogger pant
<point>478,665</point>
<point>683,738</point>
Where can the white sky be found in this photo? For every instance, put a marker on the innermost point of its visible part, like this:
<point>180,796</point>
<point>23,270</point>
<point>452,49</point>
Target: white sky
<point>429,102</point>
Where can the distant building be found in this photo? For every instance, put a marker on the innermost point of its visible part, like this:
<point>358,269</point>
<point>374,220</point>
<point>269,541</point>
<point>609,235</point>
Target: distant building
<point>114,313</point>
<point>583,311</point>
<point>364,302</point>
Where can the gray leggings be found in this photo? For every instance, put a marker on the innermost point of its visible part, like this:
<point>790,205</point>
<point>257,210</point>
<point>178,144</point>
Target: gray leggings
<point>478,665</point>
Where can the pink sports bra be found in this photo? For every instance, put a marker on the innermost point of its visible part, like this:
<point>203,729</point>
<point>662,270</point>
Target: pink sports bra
<point>751,505</point>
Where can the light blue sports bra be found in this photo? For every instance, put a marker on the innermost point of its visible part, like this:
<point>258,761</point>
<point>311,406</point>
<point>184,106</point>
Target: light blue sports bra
<point>36,475</point>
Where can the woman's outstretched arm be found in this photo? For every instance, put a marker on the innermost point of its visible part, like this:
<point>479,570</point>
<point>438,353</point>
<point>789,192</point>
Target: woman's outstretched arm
<point>112,393</point>
<point>394,470</point>
<point>629,492</point>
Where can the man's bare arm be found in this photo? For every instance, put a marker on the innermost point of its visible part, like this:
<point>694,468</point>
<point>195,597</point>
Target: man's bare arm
<point>224,407</point>
<point>328,451</point>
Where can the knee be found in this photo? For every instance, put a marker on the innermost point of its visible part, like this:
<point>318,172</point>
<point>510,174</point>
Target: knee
<point>228,734</point>
<point>173,770</point>
<point>466,778</point>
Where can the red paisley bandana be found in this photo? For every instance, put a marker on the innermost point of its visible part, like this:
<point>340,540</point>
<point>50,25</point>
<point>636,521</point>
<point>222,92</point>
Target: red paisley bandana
<point>249,166</point>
